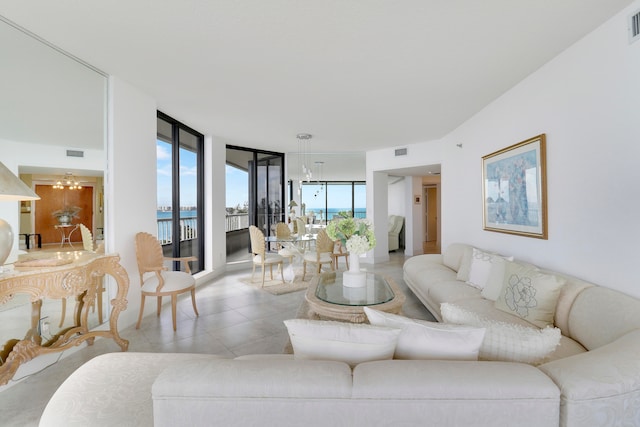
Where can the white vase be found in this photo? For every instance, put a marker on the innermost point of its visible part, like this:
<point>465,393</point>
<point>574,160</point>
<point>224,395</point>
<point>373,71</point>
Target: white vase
<point>354,278</point>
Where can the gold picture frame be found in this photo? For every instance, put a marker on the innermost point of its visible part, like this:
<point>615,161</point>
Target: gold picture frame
<point>514,189</point>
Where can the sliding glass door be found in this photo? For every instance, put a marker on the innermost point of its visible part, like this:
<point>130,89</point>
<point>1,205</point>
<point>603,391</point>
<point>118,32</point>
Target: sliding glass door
<point>255,196</point>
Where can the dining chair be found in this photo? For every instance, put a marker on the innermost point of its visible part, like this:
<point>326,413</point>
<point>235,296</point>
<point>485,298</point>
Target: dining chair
<point>283,233</point>
<point>260,255</point>
<point>157,281</point>
<point>322,254</point>
<point>339,251</point>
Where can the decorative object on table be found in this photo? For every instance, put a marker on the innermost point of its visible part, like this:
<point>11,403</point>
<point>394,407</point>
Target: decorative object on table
<point>356,234</point>
<point>515,189</point>
<point>11,189</point>
<point>66,215</point>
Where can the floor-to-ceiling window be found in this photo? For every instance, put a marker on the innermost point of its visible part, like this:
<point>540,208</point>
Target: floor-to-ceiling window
<point>180,174</point>
<point>326,199</point>
<point>254,196</point>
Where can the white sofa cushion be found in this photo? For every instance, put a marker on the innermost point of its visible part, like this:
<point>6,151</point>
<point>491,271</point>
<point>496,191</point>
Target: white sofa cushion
<point>481,265</point>
<point>347,342</point>
<point>506,341</point>
<point>421,339</point>
<point>530,294</point>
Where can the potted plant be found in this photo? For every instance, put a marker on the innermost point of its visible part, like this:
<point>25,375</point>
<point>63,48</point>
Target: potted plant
<point>66,215</point>
<point>358,237</point>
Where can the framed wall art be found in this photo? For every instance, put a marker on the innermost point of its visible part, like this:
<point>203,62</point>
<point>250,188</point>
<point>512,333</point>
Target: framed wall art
<point>515,189</point>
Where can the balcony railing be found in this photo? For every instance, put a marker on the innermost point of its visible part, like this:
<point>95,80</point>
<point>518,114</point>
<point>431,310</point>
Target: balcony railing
<point>188,229</point>
<point>233,222</point>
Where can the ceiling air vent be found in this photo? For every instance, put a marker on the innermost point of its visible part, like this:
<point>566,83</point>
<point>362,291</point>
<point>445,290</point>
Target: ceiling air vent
<point>75,153</point>
<point>401,152</point>
<point>634,27</point>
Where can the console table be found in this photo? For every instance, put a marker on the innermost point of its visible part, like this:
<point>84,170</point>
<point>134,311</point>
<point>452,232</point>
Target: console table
<point>57,276</point>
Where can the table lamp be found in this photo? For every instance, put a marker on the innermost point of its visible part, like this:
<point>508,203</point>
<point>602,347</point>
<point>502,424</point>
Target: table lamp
<point>11,189</point>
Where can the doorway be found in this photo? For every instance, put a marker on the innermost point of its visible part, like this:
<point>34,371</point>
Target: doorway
<point>52,200</point>
<point>431,242</point>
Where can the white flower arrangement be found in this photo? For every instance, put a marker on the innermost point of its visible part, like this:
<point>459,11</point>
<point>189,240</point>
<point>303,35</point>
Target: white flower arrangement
<point>357,245</point>
<point>356,234</point>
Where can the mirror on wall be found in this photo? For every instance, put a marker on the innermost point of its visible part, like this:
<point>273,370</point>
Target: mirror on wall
<point>53,115</point>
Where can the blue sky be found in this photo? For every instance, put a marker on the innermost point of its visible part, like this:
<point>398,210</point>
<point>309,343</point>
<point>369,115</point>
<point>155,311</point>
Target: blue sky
<point>237,188</point>
<point>188,175</point>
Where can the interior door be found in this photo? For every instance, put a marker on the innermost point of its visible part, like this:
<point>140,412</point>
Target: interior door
<point>51,200</point>
<point>431,197</point>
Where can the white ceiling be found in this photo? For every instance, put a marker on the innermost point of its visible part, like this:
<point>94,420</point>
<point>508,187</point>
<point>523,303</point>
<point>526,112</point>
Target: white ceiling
<point>358,75</point>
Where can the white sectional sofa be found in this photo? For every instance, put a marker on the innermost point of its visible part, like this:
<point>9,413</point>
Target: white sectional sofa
<point>592,379</point>
<point>597,364</point>
<point>144,389</point>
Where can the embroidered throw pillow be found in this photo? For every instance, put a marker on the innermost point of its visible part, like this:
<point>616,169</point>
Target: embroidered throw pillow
<point>530,294</point>
<point>480,270</point>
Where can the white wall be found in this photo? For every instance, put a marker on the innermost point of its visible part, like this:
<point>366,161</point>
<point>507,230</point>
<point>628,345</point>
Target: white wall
<point>585,101</point>
<point>396,197</point>
<point>130,182</point>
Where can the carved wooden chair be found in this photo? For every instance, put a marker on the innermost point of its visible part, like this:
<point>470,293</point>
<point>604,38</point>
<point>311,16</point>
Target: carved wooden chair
<point>157,281</point>
<point>260,255</point>
<point>322,254</point>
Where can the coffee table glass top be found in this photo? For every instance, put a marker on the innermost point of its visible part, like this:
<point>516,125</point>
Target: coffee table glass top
<point>330,289</point>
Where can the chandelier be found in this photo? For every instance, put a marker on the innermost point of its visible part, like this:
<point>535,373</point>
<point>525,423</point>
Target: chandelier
<point>69,181</point>
<point>305,172</point>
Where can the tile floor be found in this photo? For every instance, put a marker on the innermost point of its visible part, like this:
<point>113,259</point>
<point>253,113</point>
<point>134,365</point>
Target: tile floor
<point>235,319</point>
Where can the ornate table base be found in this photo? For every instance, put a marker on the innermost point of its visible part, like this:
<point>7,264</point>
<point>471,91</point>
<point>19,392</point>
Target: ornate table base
<point>78,277</point>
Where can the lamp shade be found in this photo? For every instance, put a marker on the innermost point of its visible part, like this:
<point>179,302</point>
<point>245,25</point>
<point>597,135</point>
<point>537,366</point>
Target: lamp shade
<point>292,204</point>
<point>11,189</point>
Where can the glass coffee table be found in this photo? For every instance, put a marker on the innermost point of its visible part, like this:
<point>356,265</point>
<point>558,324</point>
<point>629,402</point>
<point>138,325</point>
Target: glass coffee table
<point>329,299</point>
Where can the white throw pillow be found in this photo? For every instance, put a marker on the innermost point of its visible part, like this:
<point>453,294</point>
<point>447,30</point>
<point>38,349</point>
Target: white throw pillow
<point>506,341</point>
<point>465,265</point>
<point>347,342</point>
<point>495,282</point>
<point>530,294</point>
<point>421,339</point>
<point>480,269</point>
